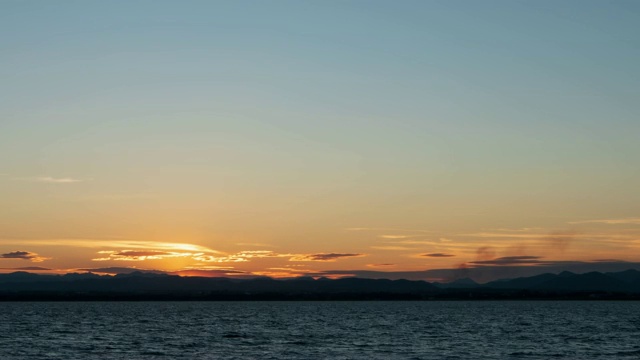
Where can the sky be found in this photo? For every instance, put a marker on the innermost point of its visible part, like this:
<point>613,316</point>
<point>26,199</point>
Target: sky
<point>414,139</point>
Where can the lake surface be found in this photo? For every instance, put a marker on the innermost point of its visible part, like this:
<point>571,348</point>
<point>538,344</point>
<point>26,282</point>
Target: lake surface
<point>320,330</point>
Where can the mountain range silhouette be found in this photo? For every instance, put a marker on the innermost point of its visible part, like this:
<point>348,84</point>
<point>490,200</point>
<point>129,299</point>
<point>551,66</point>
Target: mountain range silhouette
<point>158,286</point>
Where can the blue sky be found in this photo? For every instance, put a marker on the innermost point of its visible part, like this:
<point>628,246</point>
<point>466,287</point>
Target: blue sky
<point>286,122</point>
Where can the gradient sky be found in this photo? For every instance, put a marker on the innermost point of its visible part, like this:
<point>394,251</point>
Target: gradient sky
<point>300,137</point>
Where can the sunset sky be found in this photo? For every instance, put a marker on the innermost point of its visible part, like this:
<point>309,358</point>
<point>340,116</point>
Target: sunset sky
<point>401,139</point>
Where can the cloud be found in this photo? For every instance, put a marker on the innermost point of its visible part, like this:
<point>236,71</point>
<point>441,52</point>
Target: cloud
<point>437,255</point>
<point>381,265</point>
<point>213,273</point>
<point>241,256</point>
<point>634,221</point>
<point>244,256</point>
<point>323,256</point>
<point>118,270</point>
<point>127,250</point>
<point>220,259</point>
<point>27,268</point>
<point>140,255</point>
<point>117,243</point>
<point>143,250</point>
<point>510,260</point>
<point>135,253</point>
<point>138,251</point>
<point>52,180</point>
<point>23,255</point>
<point>284,272</point>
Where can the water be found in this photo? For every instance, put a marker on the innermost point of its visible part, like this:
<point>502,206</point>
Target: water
<point>320,330</point>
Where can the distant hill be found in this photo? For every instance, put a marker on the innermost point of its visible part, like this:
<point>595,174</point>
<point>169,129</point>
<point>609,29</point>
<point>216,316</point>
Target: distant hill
<point>149,283</point>
<point>153,285</point>
<point>464,283</point>
<point>624,281</point>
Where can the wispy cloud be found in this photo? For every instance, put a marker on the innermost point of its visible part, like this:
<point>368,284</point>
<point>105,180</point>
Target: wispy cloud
<point>511,260</point>
<point>242,256</point>
<point>140,255</point>
<point>384,265</point>
<point>626,221</point>
<point>388,229</point>
<point>207,272</point>
<point>284,272</point>
<point>118,270</point>
<point>415,242</point>
<point>127,250</point>
<point>115,243</point>
<point>255,244</point>
<point>525,229</point>
<point>437,255</point>
<point>511,236</point>
<point>52,180</point>
<point>324,256</point>
<point>117,197</point>
<point>23,255</point>
<point>558,234</point>
<point>393,248</point>
<point>135,250</point>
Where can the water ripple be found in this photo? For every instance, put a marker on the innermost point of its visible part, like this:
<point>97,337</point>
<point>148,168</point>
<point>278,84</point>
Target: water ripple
<point>320,330</point>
